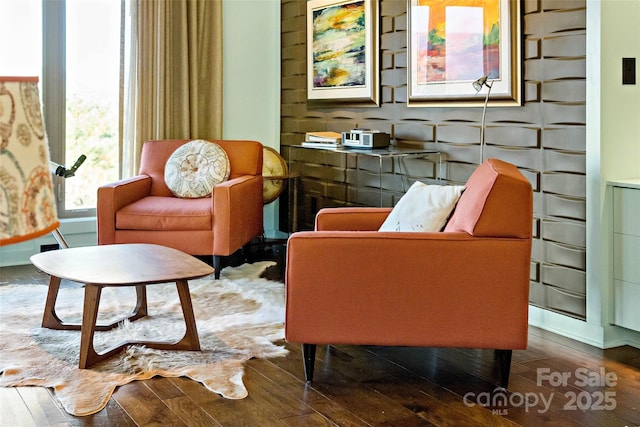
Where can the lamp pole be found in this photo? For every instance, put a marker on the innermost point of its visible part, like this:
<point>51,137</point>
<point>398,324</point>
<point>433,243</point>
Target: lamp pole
<point>477,85</point>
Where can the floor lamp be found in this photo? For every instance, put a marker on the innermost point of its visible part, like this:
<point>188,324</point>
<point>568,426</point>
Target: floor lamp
<point>27,202</point>
<point>477,85</point>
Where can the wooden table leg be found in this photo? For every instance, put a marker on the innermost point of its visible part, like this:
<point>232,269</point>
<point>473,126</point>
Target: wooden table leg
<point>141,303</point>
<point>88,354</point>
<point>51,320</point>
<point>190,340</point>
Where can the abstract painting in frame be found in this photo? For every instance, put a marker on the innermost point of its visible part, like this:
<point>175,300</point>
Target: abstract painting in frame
<point>452,43</point>
<point>342,51</point>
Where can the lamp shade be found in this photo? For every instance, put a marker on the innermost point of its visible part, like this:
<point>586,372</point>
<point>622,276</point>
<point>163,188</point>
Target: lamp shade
<point>27,202</point>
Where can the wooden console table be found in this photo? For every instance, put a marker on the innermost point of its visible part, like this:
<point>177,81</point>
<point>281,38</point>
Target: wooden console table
<point>119,265</point>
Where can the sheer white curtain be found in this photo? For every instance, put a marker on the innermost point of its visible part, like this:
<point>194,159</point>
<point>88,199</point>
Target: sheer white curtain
<point>172,73</point>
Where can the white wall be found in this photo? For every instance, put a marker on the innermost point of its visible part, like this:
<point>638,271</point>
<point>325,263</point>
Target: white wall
<point>620,104</point>
<point>252,78</point>
<point>619,141</point>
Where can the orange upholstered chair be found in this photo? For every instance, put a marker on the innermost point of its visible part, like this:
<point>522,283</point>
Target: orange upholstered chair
<point>467,286</point>
<point>143,209</point>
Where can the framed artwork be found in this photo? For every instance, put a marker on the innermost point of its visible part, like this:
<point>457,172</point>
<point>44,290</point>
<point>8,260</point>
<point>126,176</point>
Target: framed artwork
<point>452,43</point>
<point>342,51</point>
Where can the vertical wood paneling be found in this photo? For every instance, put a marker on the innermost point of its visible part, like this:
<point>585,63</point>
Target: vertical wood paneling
<point>545,137</point>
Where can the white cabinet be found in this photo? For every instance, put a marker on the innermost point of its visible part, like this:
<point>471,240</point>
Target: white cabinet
<point>626,253</point>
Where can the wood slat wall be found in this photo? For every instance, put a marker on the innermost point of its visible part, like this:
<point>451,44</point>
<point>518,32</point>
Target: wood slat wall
<point>545,137</point>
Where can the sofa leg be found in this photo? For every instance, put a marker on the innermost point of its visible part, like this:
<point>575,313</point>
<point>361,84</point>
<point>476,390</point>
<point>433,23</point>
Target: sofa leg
<point>217,262</point>
<point>504,363</point>
<point>309,357</point>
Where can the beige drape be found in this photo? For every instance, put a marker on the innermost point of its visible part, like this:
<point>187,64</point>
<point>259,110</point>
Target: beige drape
<point>172,75</point>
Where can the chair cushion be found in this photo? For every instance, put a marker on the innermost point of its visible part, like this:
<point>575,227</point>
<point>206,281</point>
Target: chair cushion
<point>423,208</point>
<point>166,213</point>
<point>195,168</point>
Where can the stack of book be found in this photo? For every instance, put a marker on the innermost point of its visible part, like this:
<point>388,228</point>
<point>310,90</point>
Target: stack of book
<point>323,140</point>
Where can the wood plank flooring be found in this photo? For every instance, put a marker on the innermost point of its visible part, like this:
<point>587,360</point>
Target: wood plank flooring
<point>372,386</point>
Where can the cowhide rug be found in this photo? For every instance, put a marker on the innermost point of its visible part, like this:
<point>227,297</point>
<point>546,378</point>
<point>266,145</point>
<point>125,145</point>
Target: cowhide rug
<point>239,317</point>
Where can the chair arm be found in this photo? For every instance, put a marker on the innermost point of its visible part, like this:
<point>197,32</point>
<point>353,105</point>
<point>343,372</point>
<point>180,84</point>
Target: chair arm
<point>351,219</point>
<point>415,289</point>
<point>114,196</point>
<point>237,213</point>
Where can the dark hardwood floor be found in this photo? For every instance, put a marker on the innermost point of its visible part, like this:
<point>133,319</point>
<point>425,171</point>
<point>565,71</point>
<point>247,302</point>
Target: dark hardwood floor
<point>382,386</point>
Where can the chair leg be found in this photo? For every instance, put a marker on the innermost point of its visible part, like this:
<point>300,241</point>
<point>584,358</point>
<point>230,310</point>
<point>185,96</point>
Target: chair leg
<point>309,357</point>
<point>246,252</point>
<point>217,263</point>
<point>504,363</point>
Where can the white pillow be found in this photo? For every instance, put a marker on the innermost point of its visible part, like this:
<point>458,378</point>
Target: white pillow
<point>423,208</point>
<point>195,168</point>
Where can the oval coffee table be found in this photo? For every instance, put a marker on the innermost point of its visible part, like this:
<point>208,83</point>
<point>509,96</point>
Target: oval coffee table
<point>119,265</point>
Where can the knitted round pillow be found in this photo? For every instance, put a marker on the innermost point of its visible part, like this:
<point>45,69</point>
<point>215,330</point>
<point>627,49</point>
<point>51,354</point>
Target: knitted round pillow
<point>195,168</point>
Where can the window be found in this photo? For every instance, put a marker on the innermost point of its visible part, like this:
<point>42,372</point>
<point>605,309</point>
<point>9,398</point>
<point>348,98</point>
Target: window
<point>92,97</point>
<point>74,46</point>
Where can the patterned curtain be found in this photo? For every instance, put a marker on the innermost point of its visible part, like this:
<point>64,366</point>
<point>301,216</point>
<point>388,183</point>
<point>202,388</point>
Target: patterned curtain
<point>172,74</point>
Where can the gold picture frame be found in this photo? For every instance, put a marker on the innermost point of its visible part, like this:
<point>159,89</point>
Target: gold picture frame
<point>452,45</point>
<point>342,51</point>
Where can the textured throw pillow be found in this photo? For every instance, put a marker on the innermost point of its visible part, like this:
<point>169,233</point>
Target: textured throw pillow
<point>195,168</point>
<point>423,208</point>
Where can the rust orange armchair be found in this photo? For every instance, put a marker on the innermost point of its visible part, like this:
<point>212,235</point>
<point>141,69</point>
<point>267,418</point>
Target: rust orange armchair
<point>468,286</point>
<point>142,209</point>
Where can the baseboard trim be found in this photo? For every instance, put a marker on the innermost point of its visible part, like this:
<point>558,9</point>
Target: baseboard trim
<point>596,335</point>
<point>566,326</point>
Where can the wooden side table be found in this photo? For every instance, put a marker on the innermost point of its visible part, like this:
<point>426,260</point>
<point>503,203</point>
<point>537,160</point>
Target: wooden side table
<point>119,265</point>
